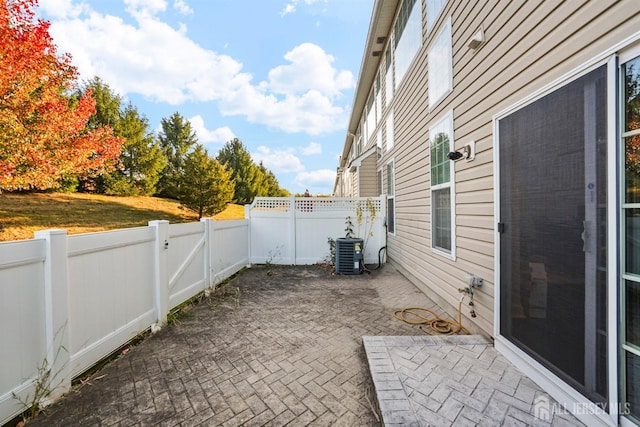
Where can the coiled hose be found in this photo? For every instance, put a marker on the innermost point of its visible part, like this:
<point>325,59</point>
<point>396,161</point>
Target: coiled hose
<point>432,324</point>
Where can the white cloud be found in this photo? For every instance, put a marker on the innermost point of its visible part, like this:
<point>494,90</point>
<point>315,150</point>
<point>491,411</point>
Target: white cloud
<point>301,96</point>
<point>311,149</point>
<point>145,8</point>
<point>182,7</point>
<point>320,177</point>
<point>60,9</point>
<point>278,160</point>
<point>133,59</point>
<point>290,8</point>
<point>204,135</point>
<point>310,69</point>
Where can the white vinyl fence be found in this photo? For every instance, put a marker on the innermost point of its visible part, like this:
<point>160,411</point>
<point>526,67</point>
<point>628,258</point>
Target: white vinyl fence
<point>296,230</point>
<point>66,302</point>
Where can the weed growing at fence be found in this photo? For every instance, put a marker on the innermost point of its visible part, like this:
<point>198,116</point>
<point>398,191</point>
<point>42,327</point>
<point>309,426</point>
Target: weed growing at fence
<point>365,217</point>
<point>183,311</point>
<point>348,228</point>
<point>366,221</point>
<point>43,386</point>
<point>268,264</point>
<point>225,296</point>
<point>331,258</point>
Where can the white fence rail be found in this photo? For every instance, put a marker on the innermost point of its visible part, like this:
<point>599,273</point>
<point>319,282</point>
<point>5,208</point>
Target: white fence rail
<point>66,302</point>
<point>296,230</point>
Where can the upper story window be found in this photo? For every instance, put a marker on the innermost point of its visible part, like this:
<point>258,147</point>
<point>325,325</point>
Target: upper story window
<point>378,99</point>
<point>434,7</point>
<point>370,123</point>
<point>388,77</point>
<point>390,131</point>
<point>408,36</point>
<point>440,65</point>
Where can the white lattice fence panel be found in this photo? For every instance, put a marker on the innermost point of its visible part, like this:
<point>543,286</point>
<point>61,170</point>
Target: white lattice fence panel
<point>282,235</point>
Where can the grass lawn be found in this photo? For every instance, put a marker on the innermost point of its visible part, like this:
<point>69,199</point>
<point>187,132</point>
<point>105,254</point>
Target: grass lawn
<point>22,214</point>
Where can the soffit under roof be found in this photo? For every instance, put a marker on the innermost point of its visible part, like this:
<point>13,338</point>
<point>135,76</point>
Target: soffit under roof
<point>379,29</point>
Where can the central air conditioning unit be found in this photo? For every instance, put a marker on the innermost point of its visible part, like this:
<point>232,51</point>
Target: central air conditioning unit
<point>348,255</point>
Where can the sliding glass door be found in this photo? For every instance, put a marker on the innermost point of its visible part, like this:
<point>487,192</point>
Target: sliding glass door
<point>630,236</point>
<point>553,229</point>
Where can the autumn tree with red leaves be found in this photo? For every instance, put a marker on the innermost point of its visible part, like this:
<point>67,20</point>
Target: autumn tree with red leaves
<point>43,133</point>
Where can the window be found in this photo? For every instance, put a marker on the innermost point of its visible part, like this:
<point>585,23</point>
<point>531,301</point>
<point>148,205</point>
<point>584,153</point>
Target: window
<point>408,30</point>
<point>388,84</point>
<point>391,190</point>
<point>378,100</point>
<point>434,7</point>
<point>390,131</point>
<point>630,230</point>
<point>371,117</point>
<point>441,138</point>
<point>440,66</point>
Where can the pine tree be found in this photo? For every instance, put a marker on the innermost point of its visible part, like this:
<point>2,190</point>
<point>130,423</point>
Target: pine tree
<point>245,174</point>
<point>177,138</point>
<point>141,160</point>
<point>205,185</point>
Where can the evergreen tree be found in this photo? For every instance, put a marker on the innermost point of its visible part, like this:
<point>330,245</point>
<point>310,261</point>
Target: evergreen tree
<point>205,185</point>
<point>141,160</point>
<point>177,138</point>
<point>108,104</point>
<point>269,186</point>
<point>244,172</point>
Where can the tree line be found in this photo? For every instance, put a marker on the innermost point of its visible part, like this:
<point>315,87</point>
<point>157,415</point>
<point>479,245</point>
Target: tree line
<point>58,135</point>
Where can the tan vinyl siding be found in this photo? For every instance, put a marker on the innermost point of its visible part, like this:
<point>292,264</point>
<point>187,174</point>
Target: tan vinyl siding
<point>368,177</point>
<point>353,192</point>
<point>528,45</point>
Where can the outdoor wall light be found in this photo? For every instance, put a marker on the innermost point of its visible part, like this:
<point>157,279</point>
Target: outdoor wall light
<point>468,152</point>
<point>477,39</point>
<point>457,155</point>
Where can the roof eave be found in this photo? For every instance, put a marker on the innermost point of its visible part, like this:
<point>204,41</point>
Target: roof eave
<point>379,29</point>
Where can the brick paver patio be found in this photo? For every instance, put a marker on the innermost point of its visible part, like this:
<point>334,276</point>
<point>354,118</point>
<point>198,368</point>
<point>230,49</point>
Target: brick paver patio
<point>290,352</point>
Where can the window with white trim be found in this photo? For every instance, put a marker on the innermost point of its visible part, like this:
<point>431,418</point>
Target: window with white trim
<point>408,31</point>
<point>440,66</point>
<point>434,7</point>
<point>371,117</point>
<point>378,99</point>
<point>442,227</point>
<point>391,191</point>
<point>390,130</point>
<point>388,84</point>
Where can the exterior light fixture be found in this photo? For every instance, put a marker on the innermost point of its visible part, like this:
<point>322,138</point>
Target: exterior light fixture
<point>467,152</point>
<point>477,39</point>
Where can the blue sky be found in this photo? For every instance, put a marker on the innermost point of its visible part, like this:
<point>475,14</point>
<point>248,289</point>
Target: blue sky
<point>277,74</point>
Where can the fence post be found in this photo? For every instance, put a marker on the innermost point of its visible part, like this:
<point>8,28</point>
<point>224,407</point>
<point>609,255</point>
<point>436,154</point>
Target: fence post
<point>247,216</point>
<point>161,275</point>
<point>56,294</point>
<point>208,251</point>
<point>292,230</point>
